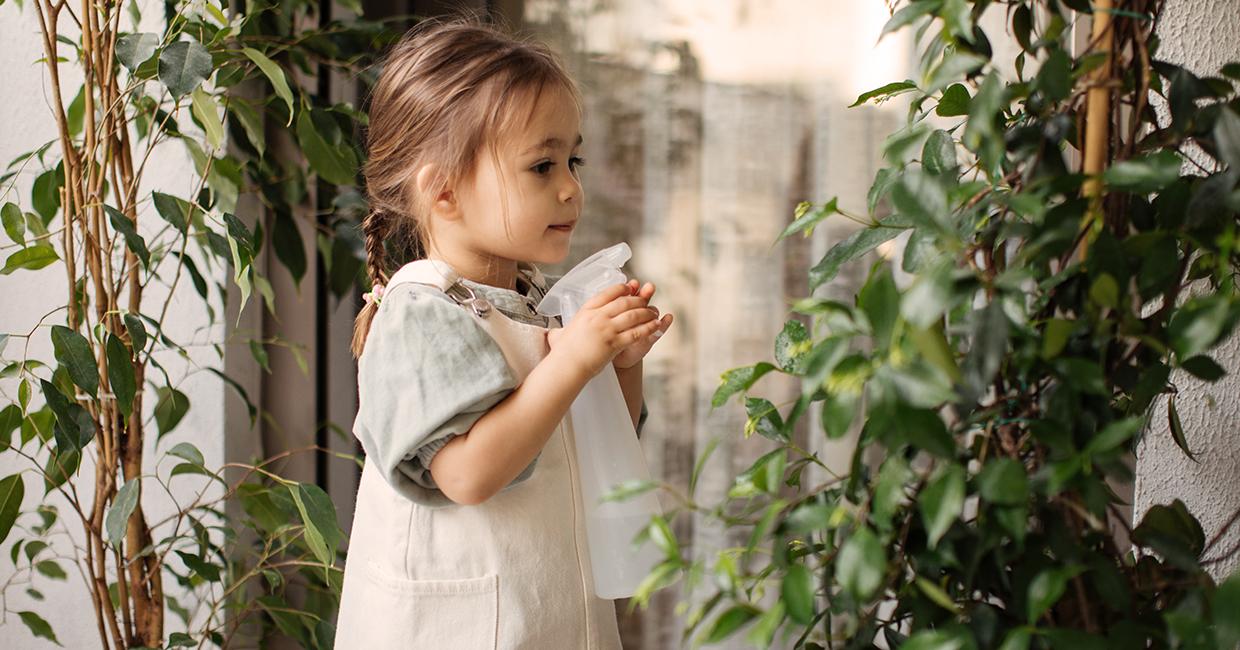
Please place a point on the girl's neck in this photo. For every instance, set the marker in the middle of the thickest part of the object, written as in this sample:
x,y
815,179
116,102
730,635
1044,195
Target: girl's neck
x,y
482,269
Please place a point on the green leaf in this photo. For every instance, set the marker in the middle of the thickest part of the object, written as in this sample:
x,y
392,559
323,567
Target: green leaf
x,y
930,295
883,93
183,65
861,564
175,211
954,102
1055,337
856,245
1004,481
76,113
936,595
1173,532
791,344
290,250
939,154
806,218
121,374
1113,435
73,352
134,49
798,594
12,490
1226,610
764,419
661,535
838,412
880,300
335,163
187,451
730,621
954,66
736,380
125,226
1055,76
38,626
207,111
275,74
122,507
171,406
75,426
1045,590
1204,368
197,564
14,222
1197,325
1227,138
45,193
922,198
137,333
953,638
942,501
32,258
1177,428
62,464
1145,174
924,428
889,490
909,13
322,533
625,490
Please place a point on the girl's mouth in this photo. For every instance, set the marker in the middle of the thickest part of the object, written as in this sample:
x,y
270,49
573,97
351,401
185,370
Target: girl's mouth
x,y
568,227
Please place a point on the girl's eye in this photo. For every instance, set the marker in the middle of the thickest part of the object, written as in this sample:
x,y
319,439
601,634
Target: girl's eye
x,y
543,168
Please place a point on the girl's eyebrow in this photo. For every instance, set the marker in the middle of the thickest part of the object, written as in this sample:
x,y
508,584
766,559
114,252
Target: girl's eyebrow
x,y
552,143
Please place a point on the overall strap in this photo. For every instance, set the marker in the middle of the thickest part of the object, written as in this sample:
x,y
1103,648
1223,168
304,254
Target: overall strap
x,y
439,274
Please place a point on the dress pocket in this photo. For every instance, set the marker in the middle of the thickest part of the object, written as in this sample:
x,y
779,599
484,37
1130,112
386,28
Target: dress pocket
x,y
387,611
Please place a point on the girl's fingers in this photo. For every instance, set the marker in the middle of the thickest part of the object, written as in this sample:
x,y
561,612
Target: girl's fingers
x,y
607,295
623,304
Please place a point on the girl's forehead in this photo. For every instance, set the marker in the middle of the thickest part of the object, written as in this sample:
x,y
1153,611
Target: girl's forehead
x,y
553,122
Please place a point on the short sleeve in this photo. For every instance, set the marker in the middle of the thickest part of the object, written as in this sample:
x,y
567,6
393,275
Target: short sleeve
x,y
428,373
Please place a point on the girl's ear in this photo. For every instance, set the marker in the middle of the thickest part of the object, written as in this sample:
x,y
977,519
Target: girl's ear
x,y
431,184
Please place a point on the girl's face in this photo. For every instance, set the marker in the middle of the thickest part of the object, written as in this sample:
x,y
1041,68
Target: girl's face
x,y
540,187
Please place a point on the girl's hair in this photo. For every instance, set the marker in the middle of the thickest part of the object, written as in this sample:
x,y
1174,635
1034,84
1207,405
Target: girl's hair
x,y
448,88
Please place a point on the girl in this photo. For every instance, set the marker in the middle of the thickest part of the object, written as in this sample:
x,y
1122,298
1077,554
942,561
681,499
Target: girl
x,y
468,531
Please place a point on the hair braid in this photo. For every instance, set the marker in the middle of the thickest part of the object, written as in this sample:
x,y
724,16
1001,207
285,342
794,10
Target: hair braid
x,y
375,229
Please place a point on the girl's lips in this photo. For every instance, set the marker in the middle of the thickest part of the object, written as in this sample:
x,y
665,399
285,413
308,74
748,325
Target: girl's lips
x,y
568,227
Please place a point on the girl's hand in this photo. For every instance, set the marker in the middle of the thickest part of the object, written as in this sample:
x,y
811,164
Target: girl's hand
x,y
608,323
635,352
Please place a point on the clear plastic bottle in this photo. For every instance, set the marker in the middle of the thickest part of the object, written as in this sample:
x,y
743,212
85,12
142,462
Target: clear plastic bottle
x,y
608,451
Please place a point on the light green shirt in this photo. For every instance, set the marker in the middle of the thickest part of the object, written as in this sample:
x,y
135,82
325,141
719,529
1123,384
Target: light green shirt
x,y
429,372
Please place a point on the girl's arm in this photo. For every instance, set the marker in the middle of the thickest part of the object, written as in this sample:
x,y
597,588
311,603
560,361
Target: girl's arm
x,y
631,385
473,467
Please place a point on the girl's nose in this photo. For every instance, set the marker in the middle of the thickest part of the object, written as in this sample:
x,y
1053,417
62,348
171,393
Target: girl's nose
x,y
571,191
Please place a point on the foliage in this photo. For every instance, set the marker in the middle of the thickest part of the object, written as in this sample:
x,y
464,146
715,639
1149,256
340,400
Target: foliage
x,y
226,85
999,394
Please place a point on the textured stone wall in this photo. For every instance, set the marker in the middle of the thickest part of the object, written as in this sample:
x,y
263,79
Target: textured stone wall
x,y
1201,35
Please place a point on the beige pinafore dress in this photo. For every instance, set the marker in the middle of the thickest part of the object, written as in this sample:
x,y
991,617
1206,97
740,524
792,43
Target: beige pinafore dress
x,y
512,573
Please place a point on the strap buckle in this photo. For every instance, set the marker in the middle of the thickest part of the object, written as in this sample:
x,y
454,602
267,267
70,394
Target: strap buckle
x,y
481,306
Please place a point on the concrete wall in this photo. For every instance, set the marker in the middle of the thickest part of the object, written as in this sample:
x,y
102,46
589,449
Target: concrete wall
x,y
25,296
1201,35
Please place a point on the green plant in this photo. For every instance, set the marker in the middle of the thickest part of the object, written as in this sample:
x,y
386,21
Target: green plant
x,y
1061,274
223,84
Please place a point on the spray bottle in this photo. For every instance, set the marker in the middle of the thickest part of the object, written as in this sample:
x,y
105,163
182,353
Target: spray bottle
x,y
608,452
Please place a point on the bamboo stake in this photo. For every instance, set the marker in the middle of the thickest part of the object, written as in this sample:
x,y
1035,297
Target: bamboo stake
x,y
1098,114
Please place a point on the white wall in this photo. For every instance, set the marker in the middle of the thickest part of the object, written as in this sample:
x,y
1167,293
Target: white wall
x,y
26,123
1201,35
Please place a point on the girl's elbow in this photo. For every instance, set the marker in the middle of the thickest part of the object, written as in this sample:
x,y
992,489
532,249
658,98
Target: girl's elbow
x,y
453,476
